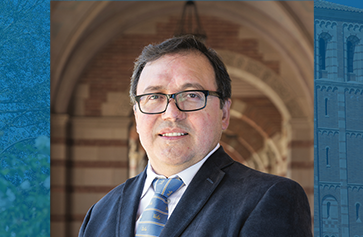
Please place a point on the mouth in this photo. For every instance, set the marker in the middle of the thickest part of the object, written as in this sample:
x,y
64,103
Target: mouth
x,y
173,134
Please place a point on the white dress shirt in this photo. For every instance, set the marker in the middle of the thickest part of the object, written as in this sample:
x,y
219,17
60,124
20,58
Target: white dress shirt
x,y
186,175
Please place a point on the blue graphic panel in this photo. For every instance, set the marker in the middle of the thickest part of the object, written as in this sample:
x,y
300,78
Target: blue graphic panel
x,y
24,118
349,3
338,175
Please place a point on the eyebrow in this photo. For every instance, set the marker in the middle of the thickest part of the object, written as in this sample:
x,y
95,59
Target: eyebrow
x,y
192,85
196,86
153,88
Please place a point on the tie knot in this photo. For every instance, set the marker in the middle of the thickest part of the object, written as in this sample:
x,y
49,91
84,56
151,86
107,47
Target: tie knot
x,y
166,187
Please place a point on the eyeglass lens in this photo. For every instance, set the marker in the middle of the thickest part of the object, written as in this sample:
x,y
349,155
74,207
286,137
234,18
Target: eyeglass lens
x,y
186,101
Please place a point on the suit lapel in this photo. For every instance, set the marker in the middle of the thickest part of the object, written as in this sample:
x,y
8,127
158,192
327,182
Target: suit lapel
x,y
197,194
130,199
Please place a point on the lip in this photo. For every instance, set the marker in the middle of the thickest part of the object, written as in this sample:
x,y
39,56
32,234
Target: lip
x,y
172,133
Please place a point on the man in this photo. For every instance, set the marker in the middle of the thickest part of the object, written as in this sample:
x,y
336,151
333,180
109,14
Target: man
x,y
181,94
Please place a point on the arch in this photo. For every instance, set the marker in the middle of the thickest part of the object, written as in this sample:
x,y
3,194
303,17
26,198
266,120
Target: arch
x,y
233,153
283,33
329,208
274,87
352,42
265,157
323,40
330,215
93,34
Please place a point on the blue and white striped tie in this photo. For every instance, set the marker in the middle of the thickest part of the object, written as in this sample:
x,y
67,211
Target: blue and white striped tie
x,y
155,215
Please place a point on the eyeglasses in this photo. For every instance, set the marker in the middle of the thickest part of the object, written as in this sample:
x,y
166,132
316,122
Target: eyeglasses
x,y
185,101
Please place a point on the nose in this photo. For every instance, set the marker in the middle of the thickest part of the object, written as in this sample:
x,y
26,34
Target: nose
x,y
172,112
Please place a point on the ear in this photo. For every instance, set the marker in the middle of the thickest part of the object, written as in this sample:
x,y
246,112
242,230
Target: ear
x,y
226,113
136,116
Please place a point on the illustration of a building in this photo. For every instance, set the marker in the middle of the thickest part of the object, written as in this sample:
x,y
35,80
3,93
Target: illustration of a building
x,y
338,120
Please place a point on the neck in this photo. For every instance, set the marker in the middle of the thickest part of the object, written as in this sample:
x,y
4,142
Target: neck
x,y
166,170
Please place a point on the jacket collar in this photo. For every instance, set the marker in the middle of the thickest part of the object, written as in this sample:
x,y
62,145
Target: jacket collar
x,y
202,186
129,205
200,189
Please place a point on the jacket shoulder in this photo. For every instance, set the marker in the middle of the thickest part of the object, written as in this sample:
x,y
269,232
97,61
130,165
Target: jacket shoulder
x,y
103,218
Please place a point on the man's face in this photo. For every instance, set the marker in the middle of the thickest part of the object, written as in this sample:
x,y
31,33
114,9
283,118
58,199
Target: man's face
x,y
175,140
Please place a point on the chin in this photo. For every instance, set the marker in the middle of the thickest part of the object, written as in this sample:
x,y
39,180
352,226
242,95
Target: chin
x,y
174,155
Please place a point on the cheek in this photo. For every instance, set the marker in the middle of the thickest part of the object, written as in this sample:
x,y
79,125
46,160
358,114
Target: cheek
x,y
147,127
145,132
144,125
213,125
206,126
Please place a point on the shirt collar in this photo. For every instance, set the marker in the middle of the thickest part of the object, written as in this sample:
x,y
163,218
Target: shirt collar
x,y
186,175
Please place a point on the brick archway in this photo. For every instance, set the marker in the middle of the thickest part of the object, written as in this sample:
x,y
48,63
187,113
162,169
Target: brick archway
x,y
93,47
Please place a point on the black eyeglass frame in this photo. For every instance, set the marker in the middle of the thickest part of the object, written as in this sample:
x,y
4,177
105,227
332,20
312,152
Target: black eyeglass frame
x,y
168,96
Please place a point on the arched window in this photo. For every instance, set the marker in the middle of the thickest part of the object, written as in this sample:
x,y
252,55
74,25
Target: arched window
x,y
352,41
322,53
328,210
327,156
330,216
350,56
357,206
326,107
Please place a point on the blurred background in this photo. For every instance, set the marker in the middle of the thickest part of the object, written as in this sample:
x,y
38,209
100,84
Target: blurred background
x,y
268,49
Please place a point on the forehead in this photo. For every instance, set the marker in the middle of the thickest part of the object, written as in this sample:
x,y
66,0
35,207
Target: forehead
x,y
176,72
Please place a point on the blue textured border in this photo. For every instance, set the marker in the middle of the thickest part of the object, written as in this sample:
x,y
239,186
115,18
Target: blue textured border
x,y
350,3
338,114
25,118
178,0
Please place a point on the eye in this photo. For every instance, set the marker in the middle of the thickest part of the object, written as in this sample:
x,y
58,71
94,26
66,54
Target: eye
x,y
191,95
153,97
194,95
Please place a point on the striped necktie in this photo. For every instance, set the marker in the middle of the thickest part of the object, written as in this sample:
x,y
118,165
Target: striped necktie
x,y
155,215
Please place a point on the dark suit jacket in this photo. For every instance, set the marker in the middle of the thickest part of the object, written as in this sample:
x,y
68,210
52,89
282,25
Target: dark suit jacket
x,y
224,199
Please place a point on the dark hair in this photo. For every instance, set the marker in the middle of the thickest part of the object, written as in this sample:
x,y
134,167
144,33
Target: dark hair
x,y
177,45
